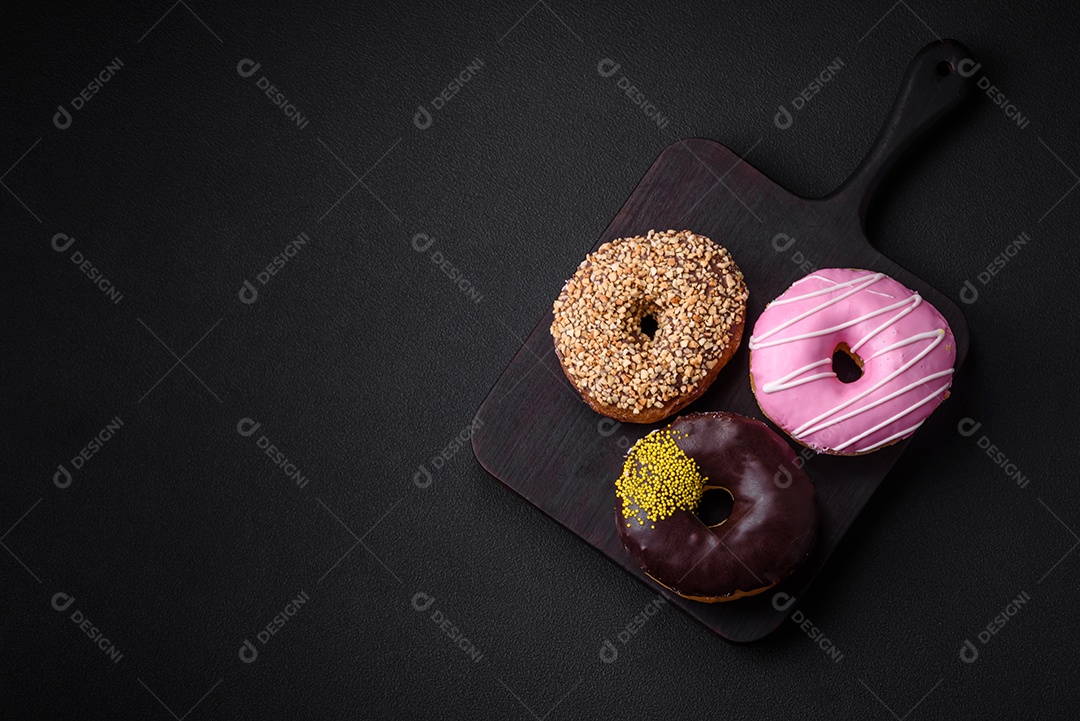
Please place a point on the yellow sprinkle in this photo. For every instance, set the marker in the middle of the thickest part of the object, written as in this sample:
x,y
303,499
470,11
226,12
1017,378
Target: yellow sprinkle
x,y
658,479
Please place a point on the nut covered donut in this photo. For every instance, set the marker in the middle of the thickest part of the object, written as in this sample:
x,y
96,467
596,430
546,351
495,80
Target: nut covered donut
x,y
902,344
773,520
646,323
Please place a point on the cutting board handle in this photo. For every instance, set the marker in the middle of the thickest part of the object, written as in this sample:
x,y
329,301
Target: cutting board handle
x,y
936,81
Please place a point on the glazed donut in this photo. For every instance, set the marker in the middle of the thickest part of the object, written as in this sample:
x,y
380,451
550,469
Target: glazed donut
x,y
773,520
903,345
687,285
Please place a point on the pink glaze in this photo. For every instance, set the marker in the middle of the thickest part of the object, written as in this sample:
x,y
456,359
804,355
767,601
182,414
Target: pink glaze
x,y
906,346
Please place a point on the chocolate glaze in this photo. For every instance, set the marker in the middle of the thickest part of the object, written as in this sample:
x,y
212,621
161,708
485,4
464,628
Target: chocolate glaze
x,y
773,521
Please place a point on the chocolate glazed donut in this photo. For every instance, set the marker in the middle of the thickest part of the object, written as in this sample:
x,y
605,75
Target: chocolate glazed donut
x,y
772,525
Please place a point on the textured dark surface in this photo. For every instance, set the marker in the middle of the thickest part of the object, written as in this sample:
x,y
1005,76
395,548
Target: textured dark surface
x,y
362,360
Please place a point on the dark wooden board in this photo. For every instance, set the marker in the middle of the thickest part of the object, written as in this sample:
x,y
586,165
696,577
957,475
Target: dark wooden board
x,y
540,439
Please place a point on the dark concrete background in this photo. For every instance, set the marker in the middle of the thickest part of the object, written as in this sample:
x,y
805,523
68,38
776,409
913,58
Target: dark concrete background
x,y
179,539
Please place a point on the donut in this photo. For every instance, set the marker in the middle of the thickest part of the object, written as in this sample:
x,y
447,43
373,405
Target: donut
x,y
773,520
646,323
902,344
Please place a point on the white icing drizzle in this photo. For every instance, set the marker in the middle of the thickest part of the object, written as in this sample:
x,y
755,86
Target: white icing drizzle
x,y
895,418
916,301
893,437
869,280
755,342
936,333
782,384
875,404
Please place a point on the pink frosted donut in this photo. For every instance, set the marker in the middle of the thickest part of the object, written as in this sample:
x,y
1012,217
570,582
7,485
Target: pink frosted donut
x,y
902,343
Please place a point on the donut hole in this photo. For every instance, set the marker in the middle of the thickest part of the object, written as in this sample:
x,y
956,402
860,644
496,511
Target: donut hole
x,y
715,506
649,325
846,364
645,320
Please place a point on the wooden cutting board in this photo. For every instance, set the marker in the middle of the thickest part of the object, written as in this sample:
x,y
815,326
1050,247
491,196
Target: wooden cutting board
x,y
540,439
